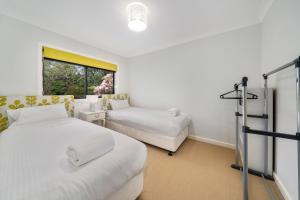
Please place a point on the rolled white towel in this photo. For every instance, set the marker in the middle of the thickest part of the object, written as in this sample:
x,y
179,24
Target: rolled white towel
x,y
90,149
174,112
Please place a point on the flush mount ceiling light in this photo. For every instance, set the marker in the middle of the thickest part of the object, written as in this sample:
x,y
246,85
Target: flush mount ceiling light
x,y
137,16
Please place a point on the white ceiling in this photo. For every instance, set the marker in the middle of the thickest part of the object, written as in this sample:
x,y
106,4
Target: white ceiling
x,y
103,23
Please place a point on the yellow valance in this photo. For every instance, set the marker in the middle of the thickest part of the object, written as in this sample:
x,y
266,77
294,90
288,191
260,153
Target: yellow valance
x,y
77,59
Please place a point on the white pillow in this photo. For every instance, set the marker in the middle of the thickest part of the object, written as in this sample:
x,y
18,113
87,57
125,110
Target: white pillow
x,y
119,104
13,115
41,113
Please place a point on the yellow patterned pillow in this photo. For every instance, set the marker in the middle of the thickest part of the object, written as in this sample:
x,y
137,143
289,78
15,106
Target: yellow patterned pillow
x,y
3,122
107,97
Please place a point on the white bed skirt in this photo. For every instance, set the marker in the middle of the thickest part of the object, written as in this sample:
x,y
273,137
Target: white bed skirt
x,y
131,190
156,139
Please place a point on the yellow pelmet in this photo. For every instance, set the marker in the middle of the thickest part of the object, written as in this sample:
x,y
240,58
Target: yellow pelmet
x,y
78,59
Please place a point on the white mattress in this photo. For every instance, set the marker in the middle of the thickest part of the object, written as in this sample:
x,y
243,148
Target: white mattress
x,y
150,120
33,164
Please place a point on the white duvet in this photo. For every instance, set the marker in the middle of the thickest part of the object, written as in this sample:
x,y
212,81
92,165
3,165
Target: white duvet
x,y
33,164
150,120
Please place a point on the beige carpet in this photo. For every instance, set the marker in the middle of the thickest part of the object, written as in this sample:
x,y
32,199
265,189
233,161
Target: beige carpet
x,y
198,171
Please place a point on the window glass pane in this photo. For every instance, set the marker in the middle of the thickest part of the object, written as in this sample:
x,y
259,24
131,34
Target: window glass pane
x,y
62,78
99,81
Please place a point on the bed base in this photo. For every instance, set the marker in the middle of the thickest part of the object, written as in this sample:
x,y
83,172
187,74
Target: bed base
x,y
171,144
131,190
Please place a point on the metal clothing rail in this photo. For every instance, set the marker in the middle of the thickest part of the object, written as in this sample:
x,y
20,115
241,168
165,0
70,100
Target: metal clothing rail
x,y
263,116
247,130
238,99
281,68
239,141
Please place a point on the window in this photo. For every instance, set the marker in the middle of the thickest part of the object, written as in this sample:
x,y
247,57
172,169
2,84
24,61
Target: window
x,y
64,78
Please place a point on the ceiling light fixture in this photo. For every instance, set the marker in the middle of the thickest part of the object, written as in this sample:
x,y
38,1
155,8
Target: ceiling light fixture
x,y
137,16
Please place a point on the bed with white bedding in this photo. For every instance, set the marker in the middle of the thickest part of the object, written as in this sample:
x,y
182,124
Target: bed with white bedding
x,y
34,165
150,120
153,126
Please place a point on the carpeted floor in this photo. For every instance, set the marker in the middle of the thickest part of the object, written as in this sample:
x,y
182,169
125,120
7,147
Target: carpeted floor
x,y
198,171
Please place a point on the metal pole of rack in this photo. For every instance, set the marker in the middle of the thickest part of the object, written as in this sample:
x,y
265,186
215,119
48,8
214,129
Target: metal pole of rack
x,y
280,68
245,140
237,126
297,65
266,119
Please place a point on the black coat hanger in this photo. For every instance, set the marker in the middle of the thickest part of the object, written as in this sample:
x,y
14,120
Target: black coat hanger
x,y
252,96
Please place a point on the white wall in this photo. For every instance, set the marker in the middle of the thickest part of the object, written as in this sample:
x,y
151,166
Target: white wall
x,y
193,75
20,57
281,44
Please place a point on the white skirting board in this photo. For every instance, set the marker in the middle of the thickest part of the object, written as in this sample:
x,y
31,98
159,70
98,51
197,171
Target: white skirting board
x,y
212,141
281,187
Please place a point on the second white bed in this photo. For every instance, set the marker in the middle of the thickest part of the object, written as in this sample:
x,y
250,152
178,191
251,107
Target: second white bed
x,y
156,127
34,166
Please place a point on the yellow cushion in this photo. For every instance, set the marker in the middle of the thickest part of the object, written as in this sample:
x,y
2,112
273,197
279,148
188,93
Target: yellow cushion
x,y
107,97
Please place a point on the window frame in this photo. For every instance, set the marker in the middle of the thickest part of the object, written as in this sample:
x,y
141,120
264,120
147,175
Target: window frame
x,y
85,72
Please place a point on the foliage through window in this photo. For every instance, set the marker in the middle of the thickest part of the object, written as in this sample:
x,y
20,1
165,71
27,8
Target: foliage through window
x,y
62,78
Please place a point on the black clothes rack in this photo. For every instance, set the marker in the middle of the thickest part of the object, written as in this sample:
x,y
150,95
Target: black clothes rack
x,y
238,97
265,133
